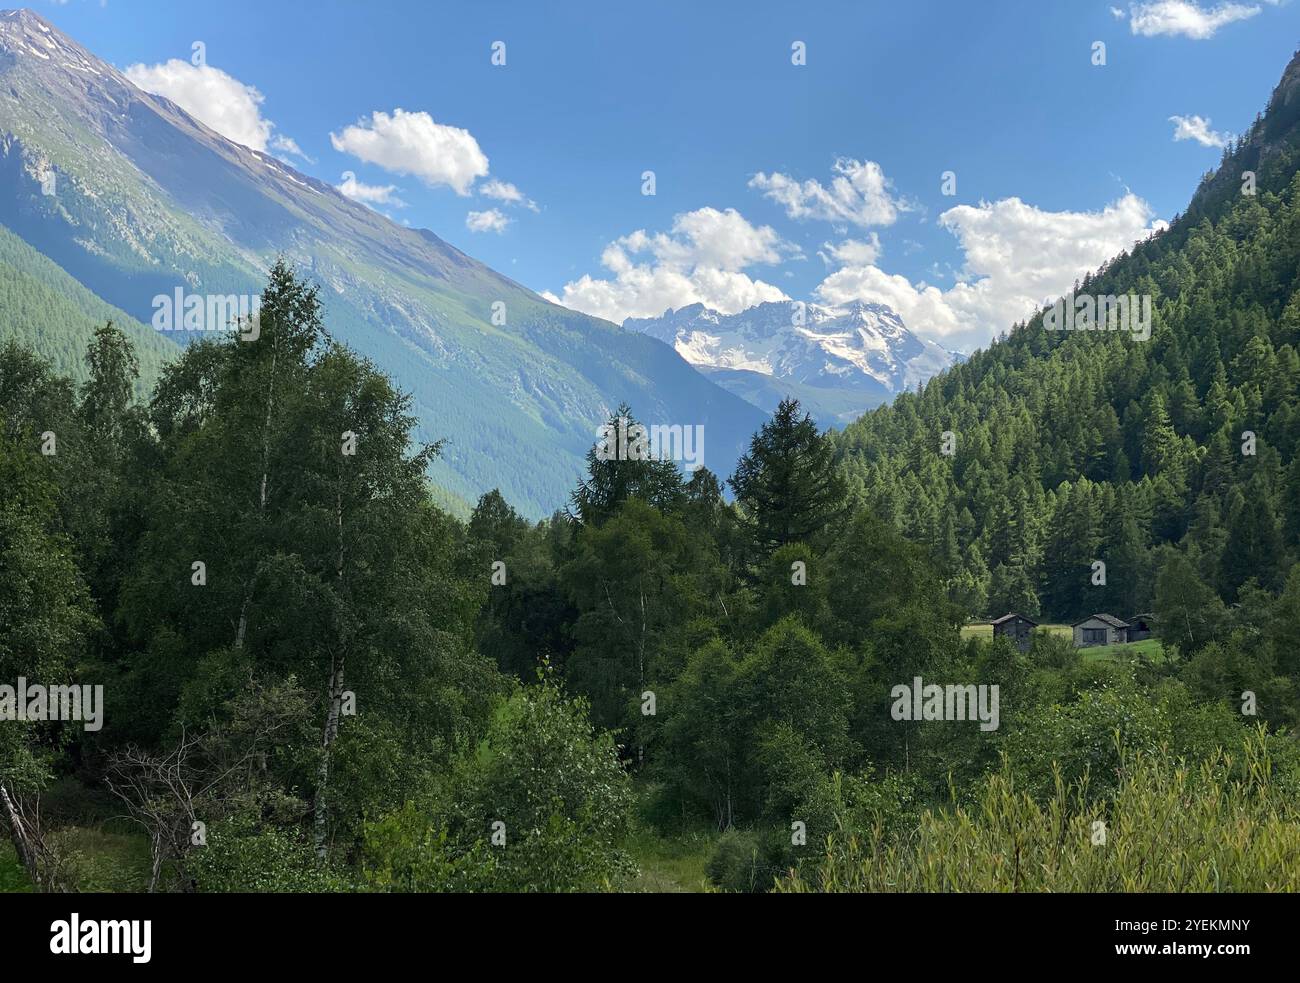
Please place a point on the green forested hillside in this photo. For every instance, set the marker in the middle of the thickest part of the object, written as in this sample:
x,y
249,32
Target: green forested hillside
x,y
653,687
45,309
1073,447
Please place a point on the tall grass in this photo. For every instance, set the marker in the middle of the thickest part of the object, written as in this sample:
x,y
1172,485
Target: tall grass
x,y
1167,827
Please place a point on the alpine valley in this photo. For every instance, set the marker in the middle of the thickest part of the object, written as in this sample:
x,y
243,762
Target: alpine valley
x,y
1030,625
111,196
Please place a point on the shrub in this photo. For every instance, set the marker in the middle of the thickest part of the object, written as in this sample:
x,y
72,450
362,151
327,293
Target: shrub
x,y
241,856
555,786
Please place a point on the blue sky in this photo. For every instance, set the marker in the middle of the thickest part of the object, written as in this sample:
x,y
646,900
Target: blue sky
x,y
1058,161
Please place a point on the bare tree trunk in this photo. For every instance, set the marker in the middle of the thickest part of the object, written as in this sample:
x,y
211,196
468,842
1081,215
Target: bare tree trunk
x,y
730,816
242,629
321,806
155,870
26,841
320,819
640,649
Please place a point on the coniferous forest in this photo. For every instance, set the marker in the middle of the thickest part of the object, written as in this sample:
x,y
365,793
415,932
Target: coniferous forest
x,y
315,675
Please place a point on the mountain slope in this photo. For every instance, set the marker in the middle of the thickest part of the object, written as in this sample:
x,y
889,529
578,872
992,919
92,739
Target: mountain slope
x,y
44,309
147,199
837,361
1079,446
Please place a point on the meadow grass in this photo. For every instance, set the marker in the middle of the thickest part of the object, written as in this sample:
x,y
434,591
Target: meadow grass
x,y
1150,647
985,630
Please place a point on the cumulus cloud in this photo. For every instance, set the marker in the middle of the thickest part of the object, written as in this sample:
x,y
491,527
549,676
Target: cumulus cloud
x,y
217,100
1186,18
859,194
1017,256
369,194
491,220
1197,128
506,192
413,144
851,252
288,145
700,260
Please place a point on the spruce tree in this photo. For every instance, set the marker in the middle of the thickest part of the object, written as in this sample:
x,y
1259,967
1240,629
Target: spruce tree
x,y
789,483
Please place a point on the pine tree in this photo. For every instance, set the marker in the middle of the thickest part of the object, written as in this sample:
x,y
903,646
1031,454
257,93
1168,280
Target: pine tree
x,y
788,482
613,476
1254,545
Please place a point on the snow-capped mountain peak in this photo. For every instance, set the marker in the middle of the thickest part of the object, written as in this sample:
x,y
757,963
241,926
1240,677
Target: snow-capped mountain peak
x,y
862,347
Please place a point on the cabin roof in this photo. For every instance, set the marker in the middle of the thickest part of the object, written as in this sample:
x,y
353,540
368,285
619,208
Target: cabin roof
x,y
1108,619
1009,617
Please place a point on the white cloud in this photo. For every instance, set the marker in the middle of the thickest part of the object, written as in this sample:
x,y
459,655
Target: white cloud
x,y
288,145
1197,128
490,220
701,260
216,99
1016,257
859,194
412,143
851,252
1186,18
369,194
507,192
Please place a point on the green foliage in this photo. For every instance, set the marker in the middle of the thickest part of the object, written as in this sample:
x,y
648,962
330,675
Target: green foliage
x,y
746,737
1078,739
746,862
636,583
13,879
45,614
786,483
555,788
242,856
1189,613
613,478
735,662
1168,827
45,310
1078,446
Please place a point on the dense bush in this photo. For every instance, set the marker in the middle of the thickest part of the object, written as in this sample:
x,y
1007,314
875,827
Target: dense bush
x,y
541,804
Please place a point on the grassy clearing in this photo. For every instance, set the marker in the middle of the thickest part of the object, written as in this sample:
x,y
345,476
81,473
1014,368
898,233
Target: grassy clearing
x,y
94,859
985,630
673,865
103,860
1150,647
